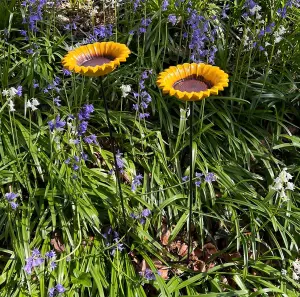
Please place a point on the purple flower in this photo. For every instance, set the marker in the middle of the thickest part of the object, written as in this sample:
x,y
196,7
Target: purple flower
x,y
34,260
199,174
198,183
210,177
67,161
75,167
66,72
136,182
120,162
103,31
82,128
145,213
134,216
261,48
37,262
165,5
148,274
36,253
53,265
185,178
144,115
142,30
84,156
14,205
11,196
60,288
77,159
57,124
85,112
35,84
135,107
142,221
146,22
224,12
51,292
57,101
30,51
172,19
269,28
282,12
19,91
23,33
50,254
91,139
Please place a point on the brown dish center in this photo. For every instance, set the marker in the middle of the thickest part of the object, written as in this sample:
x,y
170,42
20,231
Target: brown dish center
x,y
97,61
192,84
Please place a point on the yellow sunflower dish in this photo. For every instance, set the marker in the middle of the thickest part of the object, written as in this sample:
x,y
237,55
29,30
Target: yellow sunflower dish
x,y
97,59
192,82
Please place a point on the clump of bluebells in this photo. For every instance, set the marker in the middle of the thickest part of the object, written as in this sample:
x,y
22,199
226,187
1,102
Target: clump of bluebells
x,y
99,33
201,39
142,216
35,10
112,238
143,97
208,177
36,260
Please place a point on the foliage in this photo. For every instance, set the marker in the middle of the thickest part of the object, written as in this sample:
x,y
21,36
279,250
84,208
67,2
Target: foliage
x,y
66,198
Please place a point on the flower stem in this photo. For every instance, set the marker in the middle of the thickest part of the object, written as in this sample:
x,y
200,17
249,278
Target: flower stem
x,y
191,105
112,141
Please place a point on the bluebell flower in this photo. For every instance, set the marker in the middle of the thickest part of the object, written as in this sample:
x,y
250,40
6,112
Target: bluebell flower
x,y
85,112
82,128
11,196
75,167
58,124
210,177
282,12
50,254
172,19
146,212
66,72
198,183
14,205
60,288
142,221
57,101
148,274
35,84
144,115
135,107
53,265
136,182
84,156
51,292
185,178
120,162
23,33
134,216
19,91
77,159
36,253
34,260
165,5
67,161
90,139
